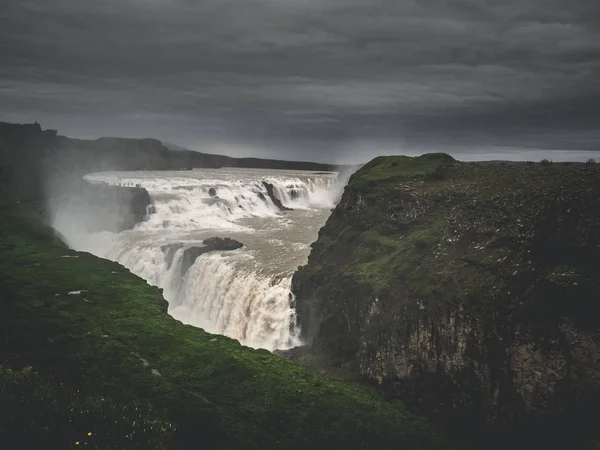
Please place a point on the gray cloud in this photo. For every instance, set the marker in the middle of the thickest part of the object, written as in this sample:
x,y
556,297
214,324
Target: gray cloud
x,y
307,78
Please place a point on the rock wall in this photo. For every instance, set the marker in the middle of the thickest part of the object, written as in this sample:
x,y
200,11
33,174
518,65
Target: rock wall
x,y
86,208
108,208
470,291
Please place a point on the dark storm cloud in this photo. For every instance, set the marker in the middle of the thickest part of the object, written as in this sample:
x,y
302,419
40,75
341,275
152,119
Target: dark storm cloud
x,y
307,75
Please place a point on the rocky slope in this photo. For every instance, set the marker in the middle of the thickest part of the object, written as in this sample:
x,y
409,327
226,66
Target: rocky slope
x,y
469,290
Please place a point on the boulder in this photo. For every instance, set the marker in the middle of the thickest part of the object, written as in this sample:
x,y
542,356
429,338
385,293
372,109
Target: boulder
x,y
210,245
217,243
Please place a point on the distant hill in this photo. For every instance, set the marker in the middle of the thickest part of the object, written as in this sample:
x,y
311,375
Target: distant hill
x,y
174,147
29,156
255,163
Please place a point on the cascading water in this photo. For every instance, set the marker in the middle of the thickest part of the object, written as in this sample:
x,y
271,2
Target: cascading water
x,y
244,293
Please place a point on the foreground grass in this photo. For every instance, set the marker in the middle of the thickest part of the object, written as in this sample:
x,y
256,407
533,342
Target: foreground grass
x,y
89,357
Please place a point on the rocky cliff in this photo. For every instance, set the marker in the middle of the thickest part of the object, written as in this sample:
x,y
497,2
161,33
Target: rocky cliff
x,y
99,207
469,290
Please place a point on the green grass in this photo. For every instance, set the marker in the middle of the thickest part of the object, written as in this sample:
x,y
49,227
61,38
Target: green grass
x,y
37,411
370,248
96,352
380,259
384,170
425,253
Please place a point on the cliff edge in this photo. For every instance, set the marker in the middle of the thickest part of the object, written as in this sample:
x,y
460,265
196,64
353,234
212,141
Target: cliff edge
x,y
471,291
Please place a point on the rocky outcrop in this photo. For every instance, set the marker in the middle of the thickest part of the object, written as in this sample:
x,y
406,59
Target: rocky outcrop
x,y
471,291
271,193
210,245
100,207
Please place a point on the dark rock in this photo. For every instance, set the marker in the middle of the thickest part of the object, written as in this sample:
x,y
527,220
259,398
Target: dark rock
x,y
271,192
217,243
476,305
210,245
101,207
212,192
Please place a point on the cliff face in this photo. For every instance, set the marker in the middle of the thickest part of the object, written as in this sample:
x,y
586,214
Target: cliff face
x,y
98,207
470,290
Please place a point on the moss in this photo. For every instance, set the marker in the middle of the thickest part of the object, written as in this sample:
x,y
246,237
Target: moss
x,y
114,341
394,219
380,259
422,255
383,170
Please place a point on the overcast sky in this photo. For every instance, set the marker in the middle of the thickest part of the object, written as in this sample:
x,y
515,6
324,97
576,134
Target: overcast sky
x,y
329,80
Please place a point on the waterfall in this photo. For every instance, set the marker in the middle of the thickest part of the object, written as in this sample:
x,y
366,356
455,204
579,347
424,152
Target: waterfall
x,y
245,293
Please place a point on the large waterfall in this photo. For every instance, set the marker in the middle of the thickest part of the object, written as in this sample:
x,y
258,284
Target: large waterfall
x,y
243,293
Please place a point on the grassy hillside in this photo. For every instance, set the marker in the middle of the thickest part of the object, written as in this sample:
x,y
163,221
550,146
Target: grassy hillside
x,y
89,357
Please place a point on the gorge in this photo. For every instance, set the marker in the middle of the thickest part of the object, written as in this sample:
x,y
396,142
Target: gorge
x,y
465,291
242,291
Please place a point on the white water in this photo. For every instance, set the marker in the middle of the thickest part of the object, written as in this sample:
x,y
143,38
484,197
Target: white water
x,y
245,293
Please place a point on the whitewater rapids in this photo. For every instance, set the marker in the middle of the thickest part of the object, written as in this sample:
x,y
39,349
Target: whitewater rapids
x,y
245,293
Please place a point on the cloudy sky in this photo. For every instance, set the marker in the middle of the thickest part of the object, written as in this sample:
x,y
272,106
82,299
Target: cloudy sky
x,y
329,80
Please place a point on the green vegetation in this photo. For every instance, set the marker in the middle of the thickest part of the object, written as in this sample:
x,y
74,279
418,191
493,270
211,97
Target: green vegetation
x,y
374,250
384,170
546,162
432,271
399,214
86,347
381,258
70,417
590,161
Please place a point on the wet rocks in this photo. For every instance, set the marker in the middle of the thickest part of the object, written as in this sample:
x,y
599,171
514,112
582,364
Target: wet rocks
x,y
271,192
210,245
217,243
